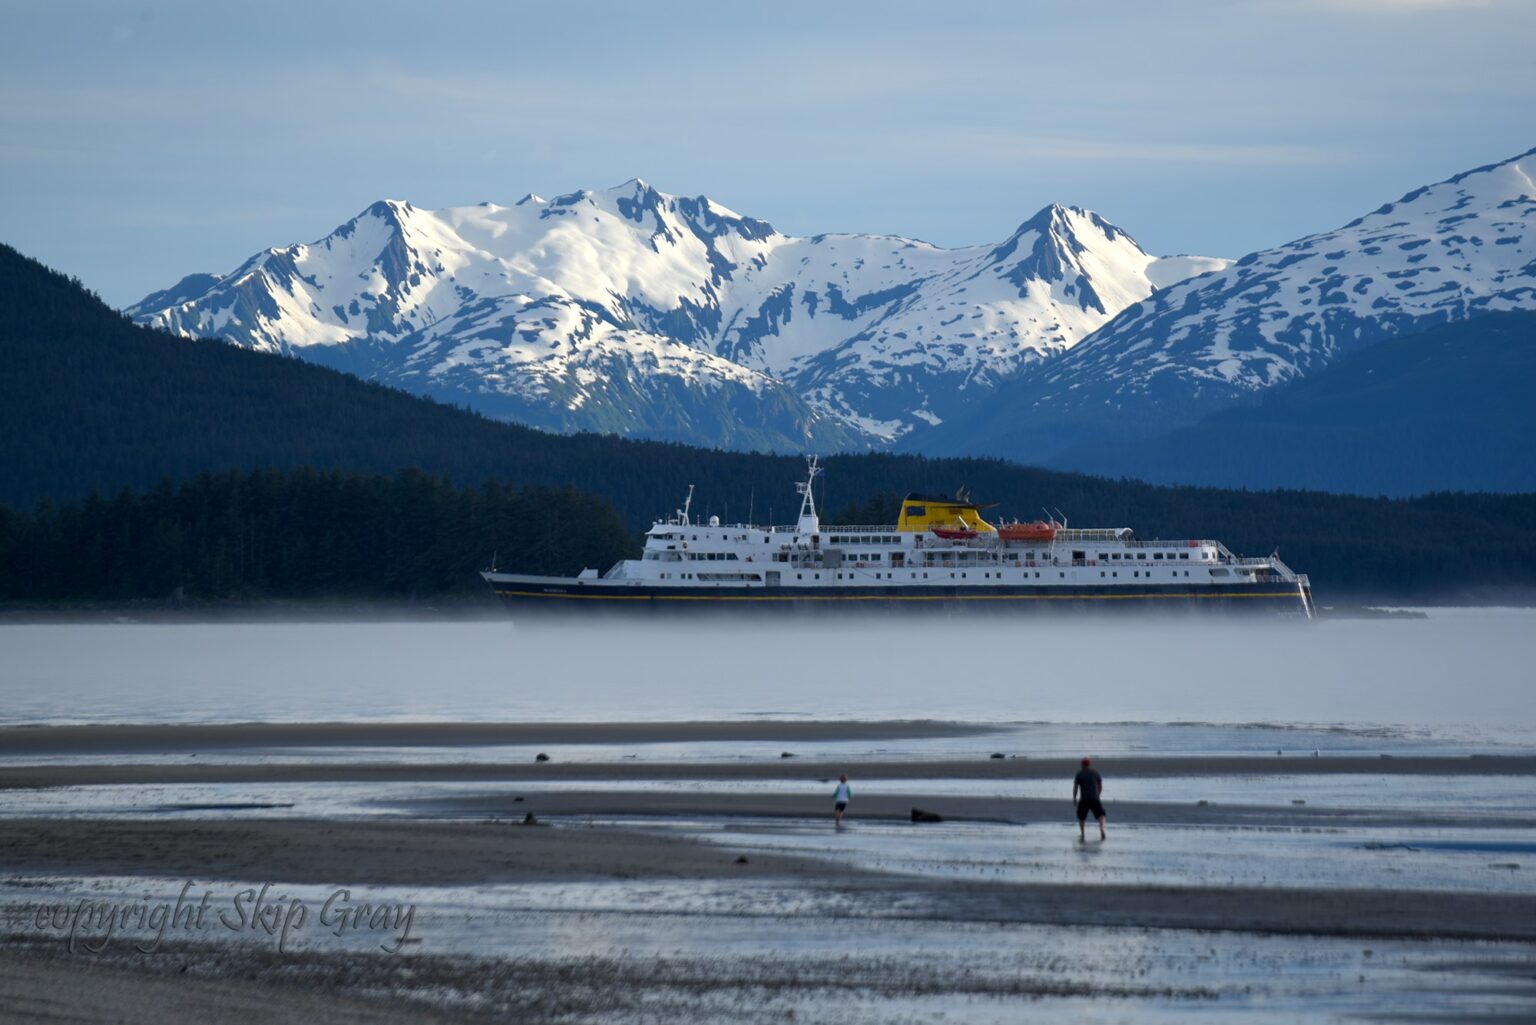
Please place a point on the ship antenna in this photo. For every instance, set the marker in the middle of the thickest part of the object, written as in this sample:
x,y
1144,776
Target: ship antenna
x,y
687,502
808,521
751,504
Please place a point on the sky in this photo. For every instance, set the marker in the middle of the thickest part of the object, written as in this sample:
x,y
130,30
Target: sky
x,y
142,142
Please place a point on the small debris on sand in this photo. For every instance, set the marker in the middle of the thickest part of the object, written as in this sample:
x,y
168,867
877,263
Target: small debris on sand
x,y
918,815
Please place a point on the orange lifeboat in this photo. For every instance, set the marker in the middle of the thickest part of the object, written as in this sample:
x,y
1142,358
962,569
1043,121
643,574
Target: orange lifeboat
x,y
1039,530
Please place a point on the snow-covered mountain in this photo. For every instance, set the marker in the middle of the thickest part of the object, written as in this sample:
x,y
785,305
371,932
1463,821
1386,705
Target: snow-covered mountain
x,y
1442,253
633,311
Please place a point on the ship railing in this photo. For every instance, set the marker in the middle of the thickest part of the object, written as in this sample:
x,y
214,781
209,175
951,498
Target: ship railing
x,y
1171,542
1273,562
1097,535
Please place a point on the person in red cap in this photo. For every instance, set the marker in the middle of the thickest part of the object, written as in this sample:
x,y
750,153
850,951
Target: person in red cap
x,y
1087,785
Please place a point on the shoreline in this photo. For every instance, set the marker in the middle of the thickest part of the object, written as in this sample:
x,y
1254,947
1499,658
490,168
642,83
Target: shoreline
x,y
657,916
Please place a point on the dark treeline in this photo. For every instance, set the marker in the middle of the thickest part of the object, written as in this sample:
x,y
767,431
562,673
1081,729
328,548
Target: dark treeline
x,y
89,402
299,534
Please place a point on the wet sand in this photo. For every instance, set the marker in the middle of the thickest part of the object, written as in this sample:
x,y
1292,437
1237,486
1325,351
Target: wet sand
x,y
416,853
473,836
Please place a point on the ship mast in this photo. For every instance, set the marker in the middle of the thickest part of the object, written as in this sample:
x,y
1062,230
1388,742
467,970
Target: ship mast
x,y
809,523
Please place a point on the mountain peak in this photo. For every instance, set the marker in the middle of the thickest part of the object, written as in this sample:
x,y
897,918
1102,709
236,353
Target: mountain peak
x,y
389,208
1050,247
1067,224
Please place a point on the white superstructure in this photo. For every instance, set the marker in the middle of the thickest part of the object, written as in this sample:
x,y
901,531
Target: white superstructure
x,y
940,549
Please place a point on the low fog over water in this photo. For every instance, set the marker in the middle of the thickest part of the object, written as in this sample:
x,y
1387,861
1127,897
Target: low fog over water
x,y
1465,667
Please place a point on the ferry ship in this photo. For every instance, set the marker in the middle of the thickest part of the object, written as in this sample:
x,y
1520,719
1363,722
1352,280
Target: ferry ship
x,y
941,552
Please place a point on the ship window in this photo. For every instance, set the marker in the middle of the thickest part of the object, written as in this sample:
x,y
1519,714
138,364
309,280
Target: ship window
x,y
917,510
818,576
1101,573
962,576
1061,574
1115,574
799,576
1103,556
1183,555
1158,555
1220,573
1141,555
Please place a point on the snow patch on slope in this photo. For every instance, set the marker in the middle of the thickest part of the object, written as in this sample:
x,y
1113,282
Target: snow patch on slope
x,y
564,299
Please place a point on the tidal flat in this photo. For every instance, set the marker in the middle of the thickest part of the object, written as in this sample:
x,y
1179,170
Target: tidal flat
x,y
1316,865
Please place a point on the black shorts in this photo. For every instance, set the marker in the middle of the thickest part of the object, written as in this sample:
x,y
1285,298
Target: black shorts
x,y
840,806
1087,805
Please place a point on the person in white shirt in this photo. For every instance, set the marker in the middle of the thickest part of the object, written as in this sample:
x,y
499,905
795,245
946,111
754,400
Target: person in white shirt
x,y
840,798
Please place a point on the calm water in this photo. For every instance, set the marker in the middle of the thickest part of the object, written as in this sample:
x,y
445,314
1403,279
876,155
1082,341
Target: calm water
x,y
1462,675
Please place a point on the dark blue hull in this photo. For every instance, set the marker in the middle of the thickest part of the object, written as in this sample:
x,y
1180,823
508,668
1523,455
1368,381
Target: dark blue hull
x,y
1265,597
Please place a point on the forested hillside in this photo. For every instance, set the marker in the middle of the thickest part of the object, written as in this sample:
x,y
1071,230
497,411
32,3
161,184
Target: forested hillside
x,y
1453,405
299,535
90,403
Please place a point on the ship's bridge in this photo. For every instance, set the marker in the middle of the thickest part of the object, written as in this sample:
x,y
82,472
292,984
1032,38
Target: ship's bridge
x,y
921,513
